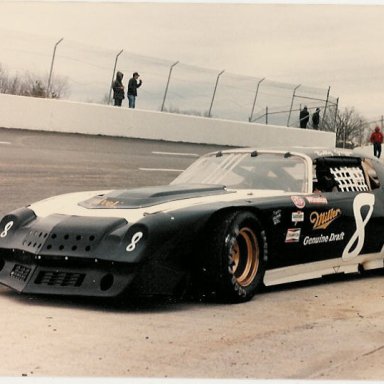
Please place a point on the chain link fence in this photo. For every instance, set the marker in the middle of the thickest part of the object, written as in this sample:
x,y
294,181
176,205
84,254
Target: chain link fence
x,y
86,73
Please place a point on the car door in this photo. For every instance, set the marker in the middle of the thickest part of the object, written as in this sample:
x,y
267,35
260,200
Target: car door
x,y
343,220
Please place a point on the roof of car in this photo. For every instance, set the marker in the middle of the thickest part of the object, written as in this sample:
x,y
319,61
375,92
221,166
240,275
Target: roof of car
x,y
312,152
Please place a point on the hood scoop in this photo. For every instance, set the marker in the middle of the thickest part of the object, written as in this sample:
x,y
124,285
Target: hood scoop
x,y
149,196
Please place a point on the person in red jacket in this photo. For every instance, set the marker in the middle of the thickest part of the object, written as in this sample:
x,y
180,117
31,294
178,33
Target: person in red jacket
x,y
376,139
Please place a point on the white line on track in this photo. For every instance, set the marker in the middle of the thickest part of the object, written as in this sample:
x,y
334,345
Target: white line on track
x,y
176,154
161,169
5,142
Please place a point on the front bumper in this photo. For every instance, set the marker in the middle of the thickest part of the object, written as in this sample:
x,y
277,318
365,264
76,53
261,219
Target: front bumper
x,y
92,256
61,254
29,273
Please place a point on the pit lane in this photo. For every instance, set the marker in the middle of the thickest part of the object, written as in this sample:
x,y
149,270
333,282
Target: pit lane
x,y
318,330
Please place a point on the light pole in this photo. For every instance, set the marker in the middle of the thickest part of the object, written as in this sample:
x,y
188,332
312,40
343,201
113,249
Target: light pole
x,y
214,92
166,88
290,110
51,70
113,76
254,100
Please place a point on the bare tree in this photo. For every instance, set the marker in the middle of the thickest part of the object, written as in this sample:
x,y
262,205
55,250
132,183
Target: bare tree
x,y
350,127
29,84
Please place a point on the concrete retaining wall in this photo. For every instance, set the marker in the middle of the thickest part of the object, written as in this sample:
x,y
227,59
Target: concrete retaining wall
x,y
65,116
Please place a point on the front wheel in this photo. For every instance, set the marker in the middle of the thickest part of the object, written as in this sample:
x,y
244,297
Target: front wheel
x,y
233,265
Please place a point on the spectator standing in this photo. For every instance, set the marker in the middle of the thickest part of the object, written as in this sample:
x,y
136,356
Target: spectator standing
x,y
376,139
118,89
316,119
133,84
304,117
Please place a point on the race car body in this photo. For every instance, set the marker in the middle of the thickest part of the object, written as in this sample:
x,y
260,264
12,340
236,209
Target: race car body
x,y
233,221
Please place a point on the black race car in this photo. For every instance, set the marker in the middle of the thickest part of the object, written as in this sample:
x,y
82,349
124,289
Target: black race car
x,y
233,221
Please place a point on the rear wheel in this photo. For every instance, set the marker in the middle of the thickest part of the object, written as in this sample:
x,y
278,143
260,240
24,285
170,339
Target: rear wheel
x,y
233,265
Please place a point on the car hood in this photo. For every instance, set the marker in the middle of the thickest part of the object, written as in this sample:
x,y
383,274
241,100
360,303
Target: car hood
x,y
133,204
150,196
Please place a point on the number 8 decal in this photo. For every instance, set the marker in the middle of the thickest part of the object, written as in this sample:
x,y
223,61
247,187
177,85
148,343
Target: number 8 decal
x,y
135,239
360,201
7,227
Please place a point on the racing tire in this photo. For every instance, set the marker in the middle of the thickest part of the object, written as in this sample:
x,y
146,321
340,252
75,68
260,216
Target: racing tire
x,y
234,265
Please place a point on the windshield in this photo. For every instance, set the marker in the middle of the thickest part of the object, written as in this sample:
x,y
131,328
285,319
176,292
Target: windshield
x,y
248,171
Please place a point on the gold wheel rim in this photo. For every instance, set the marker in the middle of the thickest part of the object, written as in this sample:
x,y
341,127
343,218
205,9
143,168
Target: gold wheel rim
x,y
245,255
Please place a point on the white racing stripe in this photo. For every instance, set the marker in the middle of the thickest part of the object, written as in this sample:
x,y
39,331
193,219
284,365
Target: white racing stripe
x,y
318,269
175,154
67,204
161,169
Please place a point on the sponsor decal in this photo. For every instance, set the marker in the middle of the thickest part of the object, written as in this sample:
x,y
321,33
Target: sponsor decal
x,y
323,219
297,217
356,242
276,217
317,199
322,239
293,235
324,152
298,201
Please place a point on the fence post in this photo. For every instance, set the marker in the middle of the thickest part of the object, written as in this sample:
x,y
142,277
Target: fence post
x,y
113,76
382,122
290,109
254,101
166,88
266,115
214,92
51,70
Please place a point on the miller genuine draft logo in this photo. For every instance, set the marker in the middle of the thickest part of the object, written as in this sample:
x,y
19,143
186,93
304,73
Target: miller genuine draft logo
x,y
323,219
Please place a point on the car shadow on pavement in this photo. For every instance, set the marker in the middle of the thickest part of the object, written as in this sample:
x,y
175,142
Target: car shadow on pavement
x,y
141,305
168,304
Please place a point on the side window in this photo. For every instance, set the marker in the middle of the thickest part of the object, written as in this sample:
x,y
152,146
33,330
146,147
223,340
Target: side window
x,y
344,174
370,174
349,179
323,180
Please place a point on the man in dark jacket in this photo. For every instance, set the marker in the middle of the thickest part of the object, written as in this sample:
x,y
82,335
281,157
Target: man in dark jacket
x,y
118,89
304,117
133,84
316,119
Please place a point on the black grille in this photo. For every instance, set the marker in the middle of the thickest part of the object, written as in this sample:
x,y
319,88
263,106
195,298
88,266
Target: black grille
x,y
20,272
61,279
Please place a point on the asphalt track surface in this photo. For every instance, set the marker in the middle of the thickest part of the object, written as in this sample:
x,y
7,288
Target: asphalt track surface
x,y
332,329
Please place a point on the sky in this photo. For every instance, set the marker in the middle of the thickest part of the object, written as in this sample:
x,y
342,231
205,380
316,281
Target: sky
x,y
334,45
